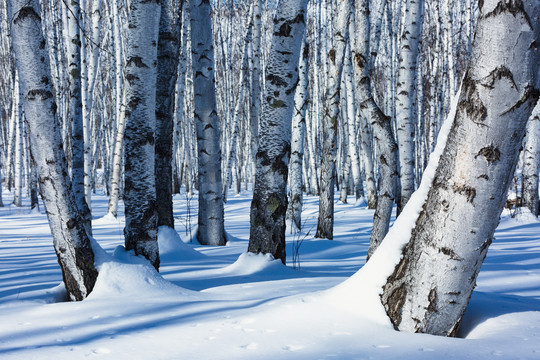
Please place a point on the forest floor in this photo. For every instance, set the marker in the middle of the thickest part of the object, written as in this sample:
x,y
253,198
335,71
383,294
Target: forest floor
x,y
220,303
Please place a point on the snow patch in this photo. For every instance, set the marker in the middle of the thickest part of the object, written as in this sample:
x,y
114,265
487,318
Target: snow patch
x,y
172,248
250,263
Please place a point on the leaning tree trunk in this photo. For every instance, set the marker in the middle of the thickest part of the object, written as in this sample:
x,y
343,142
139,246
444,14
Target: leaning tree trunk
x,y
167,70
140,87
71,241
301,102
211,230
382,129
433,282
269,204
325,224
531,165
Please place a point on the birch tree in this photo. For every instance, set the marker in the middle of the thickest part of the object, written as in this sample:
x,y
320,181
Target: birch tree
x,y
531,165
139,176
75,109
406,85
431,285
211,230
381,125
269,204
167,70
71,241
301,102
325,224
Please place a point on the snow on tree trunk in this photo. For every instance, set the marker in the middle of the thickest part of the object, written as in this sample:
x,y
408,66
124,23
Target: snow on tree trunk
x,y
75,111
211,229
269,204
406,84
301,102
531,165
167,70
71,241
140,87
325,224
382,130
431,285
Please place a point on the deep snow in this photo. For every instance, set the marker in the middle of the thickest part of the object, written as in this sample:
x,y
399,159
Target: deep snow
x,y
220,303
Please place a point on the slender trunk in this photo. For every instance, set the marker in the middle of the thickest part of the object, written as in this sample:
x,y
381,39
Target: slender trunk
x,y
211,230
301,102
531,166
406,87
75,111
382,130
167,70
336,55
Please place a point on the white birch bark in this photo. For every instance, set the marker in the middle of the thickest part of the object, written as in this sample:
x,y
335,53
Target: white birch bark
x,y
18,174
75,110
71,241
119,95
531,165
211,229
301,102
432,284
139,176
336,55
382,129
269,204
405,98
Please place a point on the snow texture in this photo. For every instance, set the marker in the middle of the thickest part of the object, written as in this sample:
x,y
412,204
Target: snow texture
x,y
218,302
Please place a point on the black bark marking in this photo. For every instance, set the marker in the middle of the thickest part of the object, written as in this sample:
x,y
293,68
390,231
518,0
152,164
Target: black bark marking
x,y
332,55
41,93
71,224
497,75
136,61
276,80
491,153
450,253
514,7
467,191
432,298
26,12
470,102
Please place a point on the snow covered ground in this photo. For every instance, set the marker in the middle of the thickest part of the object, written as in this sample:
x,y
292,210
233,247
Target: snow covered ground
x,y
220,303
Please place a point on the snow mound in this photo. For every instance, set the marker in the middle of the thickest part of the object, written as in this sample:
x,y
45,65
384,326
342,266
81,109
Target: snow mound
x,y
130,276
250,263
172,248
361,292
106,220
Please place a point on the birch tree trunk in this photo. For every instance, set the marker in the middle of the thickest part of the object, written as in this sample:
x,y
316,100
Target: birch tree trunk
x,y
71,241
325,224
301,102
406,85
269,204
167,70
382,129
75,111
211,230
531,166
432,284
119,115
139,176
